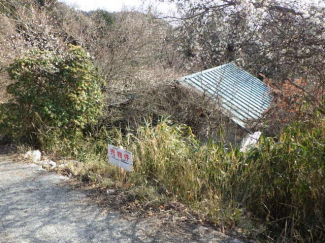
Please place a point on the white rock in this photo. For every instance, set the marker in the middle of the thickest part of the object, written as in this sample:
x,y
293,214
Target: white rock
x,y
62,166
33,155
48,164
110,191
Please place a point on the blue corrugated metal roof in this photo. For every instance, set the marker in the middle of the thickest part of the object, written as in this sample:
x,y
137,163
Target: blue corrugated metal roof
x,y
240,94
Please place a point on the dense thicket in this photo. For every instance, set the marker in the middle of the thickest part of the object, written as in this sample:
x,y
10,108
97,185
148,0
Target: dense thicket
x,y
281,182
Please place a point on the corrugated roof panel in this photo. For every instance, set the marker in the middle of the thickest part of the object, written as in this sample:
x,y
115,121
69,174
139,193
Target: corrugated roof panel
x,y
240,94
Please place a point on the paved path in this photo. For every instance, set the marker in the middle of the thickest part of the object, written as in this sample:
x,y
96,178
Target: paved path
x,y
37,206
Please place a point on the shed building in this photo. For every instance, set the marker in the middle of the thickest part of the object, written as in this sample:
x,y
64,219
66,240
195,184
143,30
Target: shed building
x,y
241,96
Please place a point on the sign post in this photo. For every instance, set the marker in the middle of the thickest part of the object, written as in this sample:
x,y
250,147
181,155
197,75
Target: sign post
x,y
120,157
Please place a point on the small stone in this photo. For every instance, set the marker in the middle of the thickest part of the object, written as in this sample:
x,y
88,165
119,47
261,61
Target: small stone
x,y
33,155
110,191
48,164
62,166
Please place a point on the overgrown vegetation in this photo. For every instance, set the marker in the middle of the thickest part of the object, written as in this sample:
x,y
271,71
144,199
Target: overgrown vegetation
x,y
56,96
280,181
274,192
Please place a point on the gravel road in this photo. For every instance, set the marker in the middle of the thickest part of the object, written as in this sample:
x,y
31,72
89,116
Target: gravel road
x,y
39,206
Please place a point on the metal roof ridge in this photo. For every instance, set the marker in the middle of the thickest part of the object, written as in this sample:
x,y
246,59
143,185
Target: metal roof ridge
x,y
206,71
241,95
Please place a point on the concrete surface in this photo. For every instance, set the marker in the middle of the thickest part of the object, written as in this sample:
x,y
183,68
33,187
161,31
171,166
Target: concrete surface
x,y
37,206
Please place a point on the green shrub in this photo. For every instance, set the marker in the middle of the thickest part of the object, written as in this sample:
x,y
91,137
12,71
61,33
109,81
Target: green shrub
x,y
51,92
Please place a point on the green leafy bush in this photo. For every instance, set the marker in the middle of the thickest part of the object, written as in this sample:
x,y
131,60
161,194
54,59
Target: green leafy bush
x,y
51,92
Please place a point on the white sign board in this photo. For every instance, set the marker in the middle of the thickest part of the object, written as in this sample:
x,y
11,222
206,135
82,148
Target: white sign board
x,y
120,157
